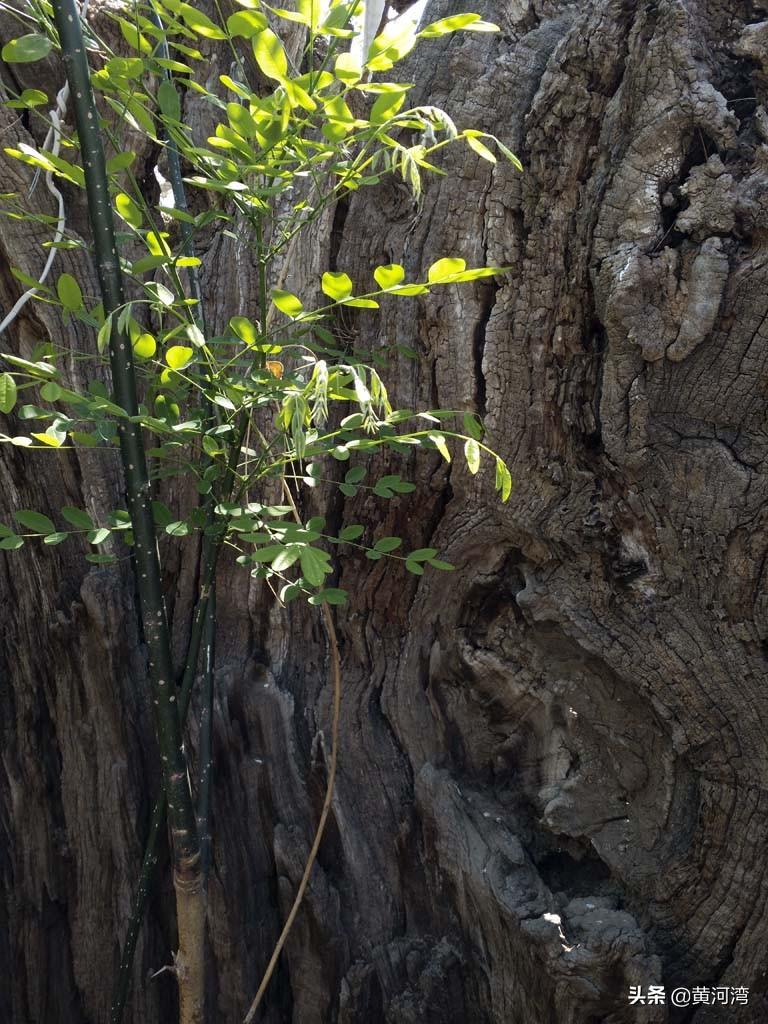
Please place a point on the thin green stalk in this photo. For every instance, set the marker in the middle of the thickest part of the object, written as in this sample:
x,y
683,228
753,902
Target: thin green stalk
x,y
184,839
205,746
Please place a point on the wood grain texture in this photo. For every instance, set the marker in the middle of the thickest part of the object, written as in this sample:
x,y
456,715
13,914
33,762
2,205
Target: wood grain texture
x,y
552,777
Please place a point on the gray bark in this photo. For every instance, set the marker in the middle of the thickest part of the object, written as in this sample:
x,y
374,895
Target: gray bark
x,y
552,777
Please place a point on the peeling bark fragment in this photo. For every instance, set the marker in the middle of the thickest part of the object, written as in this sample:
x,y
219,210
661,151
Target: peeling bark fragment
x,y
706,284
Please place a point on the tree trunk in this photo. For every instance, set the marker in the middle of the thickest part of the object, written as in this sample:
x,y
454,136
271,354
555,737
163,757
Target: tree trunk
x,y
552,775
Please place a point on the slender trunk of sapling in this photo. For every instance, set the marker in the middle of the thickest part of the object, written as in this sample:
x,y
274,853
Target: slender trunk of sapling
x,y
181,813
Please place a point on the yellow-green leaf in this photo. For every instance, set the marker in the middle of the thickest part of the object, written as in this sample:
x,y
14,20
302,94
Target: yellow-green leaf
x,y
8,392
200,24
480,148
244,329
287,303
443,270
27,48
128,210
348,68
472,455
469,22
144,347
179,356
270,55
337,286
69,293
246,24
389,276
50,439
439,442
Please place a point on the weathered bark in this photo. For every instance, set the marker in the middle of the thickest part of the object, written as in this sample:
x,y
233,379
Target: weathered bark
x,y
571,725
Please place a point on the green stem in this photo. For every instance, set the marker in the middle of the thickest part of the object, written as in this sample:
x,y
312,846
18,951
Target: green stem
x,y
183,826
206,740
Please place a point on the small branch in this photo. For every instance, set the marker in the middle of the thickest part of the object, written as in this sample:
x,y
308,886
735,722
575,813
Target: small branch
x,y
336,678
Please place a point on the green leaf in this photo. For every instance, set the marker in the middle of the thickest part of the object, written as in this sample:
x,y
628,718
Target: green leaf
x,y
387,544
134,38
244,329
76,517
503,480
51,391
101,559
270,55
422,554
55,538
105,332
386,106
439,442
161,514
287,303
315,564
179,356
8,393
480,148
199,23
168,100
11,543
361,303
178,529
389,276
246,24
120,162
348,68
69,293
333,595
53,440
415,567
437,564
287,557
509,155
472,455
410,289
160,293
99,535
443,270
35,521
355,475
144,347
128,210
269,553
396,40
473,426
382,490
337,286
26,49
470,22
352,532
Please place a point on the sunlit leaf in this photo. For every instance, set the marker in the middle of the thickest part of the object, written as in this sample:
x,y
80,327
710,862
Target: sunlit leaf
x,y
336,285
287,303
26,49
389,276
8,393
270,55
179,356
443,270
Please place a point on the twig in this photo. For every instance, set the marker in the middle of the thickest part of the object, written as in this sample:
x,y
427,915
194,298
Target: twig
x,y
336,677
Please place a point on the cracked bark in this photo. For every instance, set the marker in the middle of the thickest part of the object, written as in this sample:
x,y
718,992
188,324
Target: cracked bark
x,y
571,725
